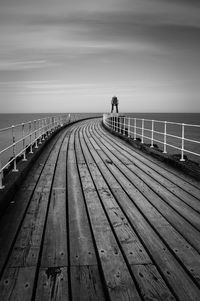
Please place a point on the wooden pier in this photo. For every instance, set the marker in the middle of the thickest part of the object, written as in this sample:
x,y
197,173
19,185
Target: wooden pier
x,y
96,219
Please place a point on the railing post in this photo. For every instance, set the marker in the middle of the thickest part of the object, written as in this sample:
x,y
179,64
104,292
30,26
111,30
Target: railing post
x,y
30,135
142,131
152,132
124,126
182,142
35,129
1,176
135,123
43,129
129,127
40,130
46,127
165,138
14,156
117,124
24,148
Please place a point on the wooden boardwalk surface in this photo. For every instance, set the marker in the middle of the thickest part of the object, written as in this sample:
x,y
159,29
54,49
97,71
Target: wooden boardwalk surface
x,y
97,220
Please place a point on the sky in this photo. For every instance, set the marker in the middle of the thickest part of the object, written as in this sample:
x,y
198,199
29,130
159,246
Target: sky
x,y
74,55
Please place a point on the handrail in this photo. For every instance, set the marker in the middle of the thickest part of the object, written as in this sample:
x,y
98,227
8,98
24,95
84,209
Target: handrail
x,y
129,126
26,136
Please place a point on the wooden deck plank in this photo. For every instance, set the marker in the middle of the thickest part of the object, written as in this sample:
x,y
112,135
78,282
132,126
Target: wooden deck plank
x,y
191,185
54,253
165,263
155,186
188,255
183,191
82,251
53,284
17,284
10,221
95,221
151,284
131,245
86,283
27,245
118,279
26,248
192,235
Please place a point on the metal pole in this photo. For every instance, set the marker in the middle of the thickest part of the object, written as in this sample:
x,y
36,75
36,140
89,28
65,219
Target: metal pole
x,y
14,156
124,126
24,148
35,129
165,138
142,131
30,134
42,129
182,142
152,132
1,176
129,127
135,128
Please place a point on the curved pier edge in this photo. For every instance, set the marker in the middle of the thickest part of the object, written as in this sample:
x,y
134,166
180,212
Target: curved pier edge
x,y
188,167
13,180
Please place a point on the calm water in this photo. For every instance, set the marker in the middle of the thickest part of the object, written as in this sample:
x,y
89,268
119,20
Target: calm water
x,y
187,118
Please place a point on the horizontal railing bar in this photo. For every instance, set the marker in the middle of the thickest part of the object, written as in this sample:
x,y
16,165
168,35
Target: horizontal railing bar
x,y
188,151
161,121
191,140
161,133
32,121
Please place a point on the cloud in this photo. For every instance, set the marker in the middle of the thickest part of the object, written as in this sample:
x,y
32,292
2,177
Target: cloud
x,y
20,65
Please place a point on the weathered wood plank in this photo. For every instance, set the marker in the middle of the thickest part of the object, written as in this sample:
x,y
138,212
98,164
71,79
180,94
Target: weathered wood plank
x,y
86,284
151,284
178,222
52,284
170,268
26,248
118,280
54,252
184,191
155,187
82,250
10,221
188,255
55,242
190,184
17,284
131,245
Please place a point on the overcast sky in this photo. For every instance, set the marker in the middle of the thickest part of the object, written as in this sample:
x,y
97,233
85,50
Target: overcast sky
x,y
74,55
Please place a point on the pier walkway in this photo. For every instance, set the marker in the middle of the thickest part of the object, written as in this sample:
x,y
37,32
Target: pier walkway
x,y
96,219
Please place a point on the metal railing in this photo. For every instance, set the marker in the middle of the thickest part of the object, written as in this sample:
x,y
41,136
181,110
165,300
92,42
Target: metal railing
x,y
169,135
25,137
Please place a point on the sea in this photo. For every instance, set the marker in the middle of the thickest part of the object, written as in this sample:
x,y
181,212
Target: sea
x,y
191,132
